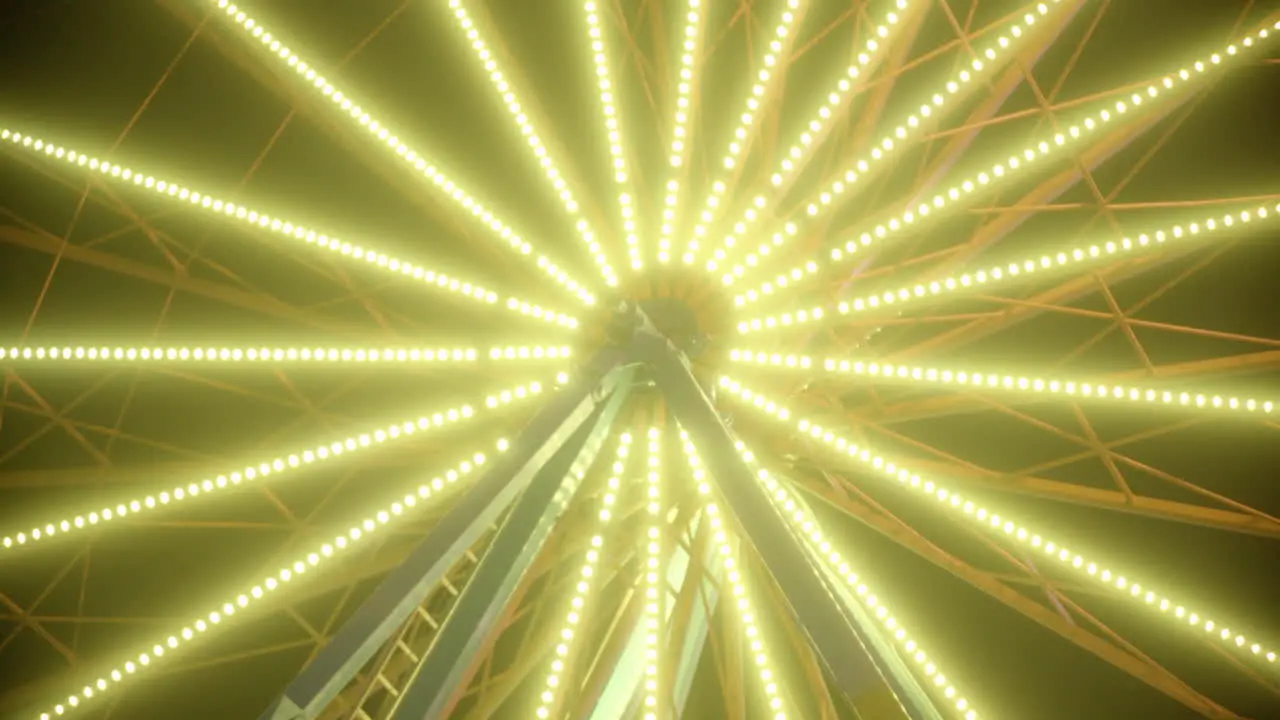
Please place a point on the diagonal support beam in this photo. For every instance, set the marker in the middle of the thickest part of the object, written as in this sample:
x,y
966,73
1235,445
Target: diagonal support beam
x,y
260,303
1145,671
516,546
836,636
406,587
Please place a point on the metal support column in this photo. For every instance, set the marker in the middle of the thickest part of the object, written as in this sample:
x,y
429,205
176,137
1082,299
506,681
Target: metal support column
x,y
834,632
517,544
406,587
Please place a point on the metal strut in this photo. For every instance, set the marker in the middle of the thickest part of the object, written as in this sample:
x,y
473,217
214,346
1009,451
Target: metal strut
x,y
375,695
516,546
544,469
835,632
405,588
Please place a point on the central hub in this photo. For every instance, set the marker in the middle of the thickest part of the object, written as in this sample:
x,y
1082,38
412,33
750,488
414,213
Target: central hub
x,y
678,323
685,305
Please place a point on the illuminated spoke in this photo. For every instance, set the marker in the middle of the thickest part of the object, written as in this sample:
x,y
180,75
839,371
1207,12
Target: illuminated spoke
x,y
391,514
530,352
573,619
1048,147
609,95
1002,527
695,21
298,355
395,144
504,87
654,584
939,101
791,508
779,44
267,468
1028,385
297,232
798,155
746,615
1083,256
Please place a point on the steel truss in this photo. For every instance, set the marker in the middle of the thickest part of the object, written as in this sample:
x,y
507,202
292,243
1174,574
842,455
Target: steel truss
x,y
418,671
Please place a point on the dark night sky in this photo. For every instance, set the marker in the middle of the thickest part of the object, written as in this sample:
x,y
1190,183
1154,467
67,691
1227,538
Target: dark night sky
x,y
78,70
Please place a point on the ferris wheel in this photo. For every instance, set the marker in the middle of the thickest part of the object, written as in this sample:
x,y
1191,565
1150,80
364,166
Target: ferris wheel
x,y
781,358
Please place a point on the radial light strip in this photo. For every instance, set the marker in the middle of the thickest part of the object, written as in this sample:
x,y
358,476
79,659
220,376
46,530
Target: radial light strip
x,y
768,679
1023,384
796,156
303,234
421,164
249,473
530,352
1002,527
1081,256
695,21
504,87
201,353
826,198
573,619
807,527
779,44
609,94
1049,146
389,515
303,355
654,590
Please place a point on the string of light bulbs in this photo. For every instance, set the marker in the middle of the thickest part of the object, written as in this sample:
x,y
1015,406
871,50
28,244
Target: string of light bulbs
x,y
1024,384
577,603
1046,147
1001,526
942,99
283,463
390,514
1080,256
695,21
503,85
608,93
780,43
807,527
354,252
728,559
797,156
654,583
363,119
322,355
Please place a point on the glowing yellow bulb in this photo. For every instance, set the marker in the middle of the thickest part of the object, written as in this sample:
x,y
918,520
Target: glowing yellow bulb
x,y
204,622
552,174
1151,239
1009,530
783,37
741,603
292,231
613,129
1003,381
395,145
579,598
265,469
966,187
